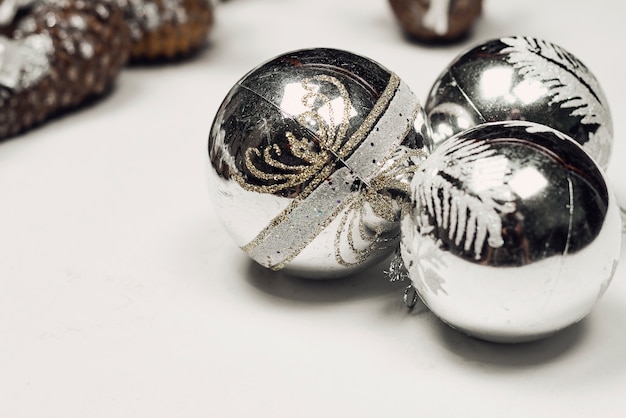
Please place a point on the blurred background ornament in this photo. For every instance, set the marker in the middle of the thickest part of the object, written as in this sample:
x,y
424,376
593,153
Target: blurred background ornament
x,y
58,54
522,78
167,29
513,233
310,155
436,20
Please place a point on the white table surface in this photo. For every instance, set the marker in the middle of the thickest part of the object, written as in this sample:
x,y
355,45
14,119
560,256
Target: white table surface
x,y
121,295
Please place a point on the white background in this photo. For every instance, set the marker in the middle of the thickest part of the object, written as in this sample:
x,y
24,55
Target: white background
x,y
121,295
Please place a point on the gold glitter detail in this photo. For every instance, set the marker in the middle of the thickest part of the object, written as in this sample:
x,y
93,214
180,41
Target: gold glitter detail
x,y
317,152
377,195
333,149
379,108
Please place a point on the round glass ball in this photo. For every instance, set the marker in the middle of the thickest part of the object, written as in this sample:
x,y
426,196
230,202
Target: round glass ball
x,y
522,78
512,233
310,154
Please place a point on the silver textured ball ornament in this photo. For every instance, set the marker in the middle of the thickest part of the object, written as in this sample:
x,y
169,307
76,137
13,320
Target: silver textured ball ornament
x,y
512,233
522,78
310,155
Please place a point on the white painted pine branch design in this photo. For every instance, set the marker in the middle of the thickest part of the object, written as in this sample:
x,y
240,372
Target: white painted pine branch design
x,y
535,60
462,186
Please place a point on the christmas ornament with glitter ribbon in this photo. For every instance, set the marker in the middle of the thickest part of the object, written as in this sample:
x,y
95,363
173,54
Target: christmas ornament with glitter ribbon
x,y
512,232
310,155
522,78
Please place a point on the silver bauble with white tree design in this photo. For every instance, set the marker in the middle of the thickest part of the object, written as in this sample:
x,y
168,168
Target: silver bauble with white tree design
x,y
522,78
512,233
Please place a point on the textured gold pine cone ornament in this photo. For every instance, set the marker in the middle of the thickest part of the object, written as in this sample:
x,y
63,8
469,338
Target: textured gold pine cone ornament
x,y
166,29
60,54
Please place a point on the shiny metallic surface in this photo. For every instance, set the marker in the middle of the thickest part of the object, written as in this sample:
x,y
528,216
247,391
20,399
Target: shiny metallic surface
x,y
513,233
310,157
522,78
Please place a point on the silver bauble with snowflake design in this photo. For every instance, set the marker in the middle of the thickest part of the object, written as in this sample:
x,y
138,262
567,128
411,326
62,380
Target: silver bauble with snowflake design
x,y
311,154
522,78
512,233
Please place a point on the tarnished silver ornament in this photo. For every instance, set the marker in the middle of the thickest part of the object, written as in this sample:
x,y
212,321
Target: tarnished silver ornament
x,y
512,234
310,156
522,78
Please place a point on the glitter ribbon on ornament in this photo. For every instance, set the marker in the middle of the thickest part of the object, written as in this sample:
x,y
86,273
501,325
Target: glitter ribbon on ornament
x,y
329,193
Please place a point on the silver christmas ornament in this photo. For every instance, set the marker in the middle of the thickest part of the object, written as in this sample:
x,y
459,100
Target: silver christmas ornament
x,y
310,155
513,233
522,78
